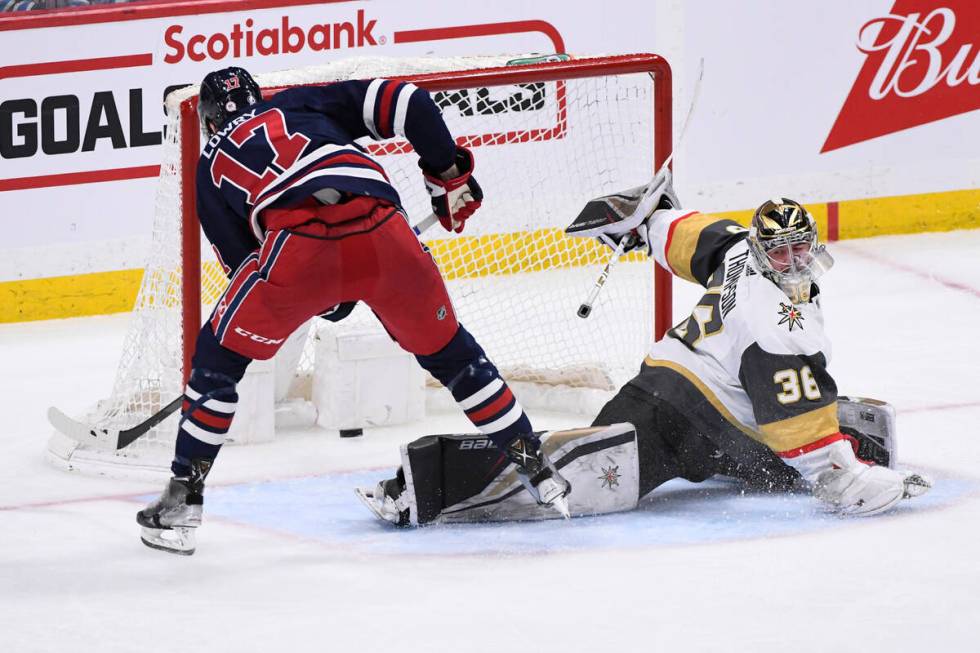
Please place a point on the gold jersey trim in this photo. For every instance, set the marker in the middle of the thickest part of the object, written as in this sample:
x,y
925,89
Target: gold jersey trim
x,y
795,432
683,243
708,394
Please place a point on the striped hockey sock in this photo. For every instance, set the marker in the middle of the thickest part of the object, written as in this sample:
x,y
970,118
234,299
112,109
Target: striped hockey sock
x,y
463,367
489,404
209,406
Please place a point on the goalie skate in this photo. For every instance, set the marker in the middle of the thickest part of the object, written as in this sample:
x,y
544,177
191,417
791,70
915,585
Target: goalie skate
x,y
386,501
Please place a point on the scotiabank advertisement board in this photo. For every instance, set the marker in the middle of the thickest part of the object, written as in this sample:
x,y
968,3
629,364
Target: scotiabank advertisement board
x,y
836,102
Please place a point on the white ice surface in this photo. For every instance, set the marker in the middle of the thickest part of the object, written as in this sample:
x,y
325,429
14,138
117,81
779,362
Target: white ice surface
x,y
288,561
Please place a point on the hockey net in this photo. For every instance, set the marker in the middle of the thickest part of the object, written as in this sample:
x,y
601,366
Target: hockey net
x,y
547,136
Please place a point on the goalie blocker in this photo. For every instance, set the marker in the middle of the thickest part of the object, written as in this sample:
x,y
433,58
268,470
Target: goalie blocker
x,y
465,478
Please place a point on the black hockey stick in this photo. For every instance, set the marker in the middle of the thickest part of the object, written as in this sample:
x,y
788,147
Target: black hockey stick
x,y
597,210
115,439
108,439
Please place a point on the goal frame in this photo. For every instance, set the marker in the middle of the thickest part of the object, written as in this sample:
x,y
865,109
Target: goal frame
x,y
662,112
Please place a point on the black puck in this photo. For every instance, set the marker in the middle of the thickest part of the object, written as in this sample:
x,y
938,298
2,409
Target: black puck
x,y
351,433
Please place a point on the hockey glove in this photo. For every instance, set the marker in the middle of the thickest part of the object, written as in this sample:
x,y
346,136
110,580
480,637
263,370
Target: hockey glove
x,y
851,486
454,192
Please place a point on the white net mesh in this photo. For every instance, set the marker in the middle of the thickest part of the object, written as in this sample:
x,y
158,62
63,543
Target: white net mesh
x,y
542,149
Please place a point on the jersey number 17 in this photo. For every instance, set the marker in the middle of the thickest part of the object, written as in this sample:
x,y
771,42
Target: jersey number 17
x,y
285,148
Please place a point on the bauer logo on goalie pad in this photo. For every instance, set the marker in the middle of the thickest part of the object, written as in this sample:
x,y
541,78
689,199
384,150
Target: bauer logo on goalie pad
x,y
482,443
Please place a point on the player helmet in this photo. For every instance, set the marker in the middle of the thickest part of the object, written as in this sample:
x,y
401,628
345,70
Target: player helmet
x,y
783,242
223,94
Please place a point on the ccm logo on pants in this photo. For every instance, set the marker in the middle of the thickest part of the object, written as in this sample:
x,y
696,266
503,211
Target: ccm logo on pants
x,y
257,338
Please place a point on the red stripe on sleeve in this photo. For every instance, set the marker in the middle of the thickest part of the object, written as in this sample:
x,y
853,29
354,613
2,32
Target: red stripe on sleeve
x,y
813,446
386,113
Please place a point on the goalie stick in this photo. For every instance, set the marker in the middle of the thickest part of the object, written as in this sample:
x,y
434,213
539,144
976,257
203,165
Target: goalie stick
x,y
597,208
585,309
115,439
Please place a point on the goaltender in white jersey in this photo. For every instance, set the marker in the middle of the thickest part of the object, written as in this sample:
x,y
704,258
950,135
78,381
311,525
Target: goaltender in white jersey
x,y
759,357
739,388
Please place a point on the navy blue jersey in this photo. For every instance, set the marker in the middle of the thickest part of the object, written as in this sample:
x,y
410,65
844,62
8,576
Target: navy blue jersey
x,y
281,151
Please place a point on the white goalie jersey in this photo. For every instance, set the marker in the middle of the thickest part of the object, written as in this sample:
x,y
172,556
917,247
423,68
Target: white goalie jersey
x,y
758,359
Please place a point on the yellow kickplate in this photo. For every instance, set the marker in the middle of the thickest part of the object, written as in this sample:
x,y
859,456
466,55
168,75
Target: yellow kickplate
x,y
98,293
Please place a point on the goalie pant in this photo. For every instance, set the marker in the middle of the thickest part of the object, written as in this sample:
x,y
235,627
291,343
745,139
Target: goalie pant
x,y
465,478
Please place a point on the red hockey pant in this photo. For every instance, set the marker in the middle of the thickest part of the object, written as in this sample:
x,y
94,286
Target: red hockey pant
x,y
302,271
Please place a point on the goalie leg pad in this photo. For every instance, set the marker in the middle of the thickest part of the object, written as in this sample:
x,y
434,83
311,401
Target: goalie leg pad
x,y
467,478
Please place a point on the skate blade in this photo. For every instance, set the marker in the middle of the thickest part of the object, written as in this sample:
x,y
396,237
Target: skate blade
x,y
179,540
561,505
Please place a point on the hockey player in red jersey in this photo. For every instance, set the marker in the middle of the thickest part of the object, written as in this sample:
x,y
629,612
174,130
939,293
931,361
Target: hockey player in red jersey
x,y
739,388
306,223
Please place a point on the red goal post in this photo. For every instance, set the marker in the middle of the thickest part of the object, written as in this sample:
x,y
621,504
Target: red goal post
x,y
551,71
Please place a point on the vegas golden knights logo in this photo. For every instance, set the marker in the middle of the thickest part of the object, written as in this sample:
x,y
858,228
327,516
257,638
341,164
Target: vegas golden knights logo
x,y
791,316
610,476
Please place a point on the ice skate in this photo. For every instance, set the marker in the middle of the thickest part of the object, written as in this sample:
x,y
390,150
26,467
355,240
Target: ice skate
x,y
538,475
386,500
170,522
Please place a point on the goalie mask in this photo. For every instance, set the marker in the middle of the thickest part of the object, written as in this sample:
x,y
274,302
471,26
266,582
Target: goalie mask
x,y
224,93
783,241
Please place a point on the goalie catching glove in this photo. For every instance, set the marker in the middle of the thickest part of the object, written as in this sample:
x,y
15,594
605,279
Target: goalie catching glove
x,y
454,192
851,486
626,214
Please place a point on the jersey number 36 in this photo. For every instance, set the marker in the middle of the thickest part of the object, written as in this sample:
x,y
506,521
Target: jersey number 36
x,y
796,384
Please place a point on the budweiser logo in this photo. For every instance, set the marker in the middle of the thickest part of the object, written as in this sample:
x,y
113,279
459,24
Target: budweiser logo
x,y
922,65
